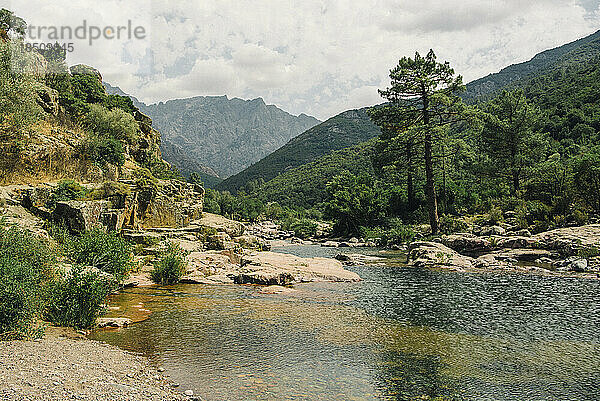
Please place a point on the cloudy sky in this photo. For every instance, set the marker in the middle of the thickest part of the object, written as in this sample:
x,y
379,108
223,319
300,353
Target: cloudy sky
x,y
305,56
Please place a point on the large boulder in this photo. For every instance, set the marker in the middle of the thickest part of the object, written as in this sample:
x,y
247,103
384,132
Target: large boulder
x,y
570,240
221,224
522,255
172,204
292,268
464,242
203,265
432,255
79,216
514,242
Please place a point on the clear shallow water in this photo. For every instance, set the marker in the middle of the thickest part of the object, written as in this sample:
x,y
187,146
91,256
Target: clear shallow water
x,y
401,334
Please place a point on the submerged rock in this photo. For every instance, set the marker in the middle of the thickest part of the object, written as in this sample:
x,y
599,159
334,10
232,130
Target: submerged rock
x,y
113,322
276,289
358,259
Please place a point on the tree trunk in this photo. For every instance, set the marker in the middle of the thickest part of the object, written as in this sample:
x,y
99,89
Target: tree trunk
x,y
430,183
410,189
516,182
430,186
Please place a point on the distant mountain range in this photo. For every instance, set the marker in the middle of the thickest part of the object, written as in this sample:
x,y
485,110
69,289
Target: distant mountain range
x,y
219,134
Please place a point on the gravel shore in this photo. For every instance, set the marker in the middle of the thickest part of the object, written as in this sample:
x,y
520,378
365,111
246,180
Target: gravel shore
x,y
66,366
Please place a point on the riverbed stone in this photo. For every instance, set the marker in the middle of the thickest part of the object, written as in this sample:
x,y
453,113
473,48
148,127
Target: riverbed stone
x,y
113,322
432,254
466,242
570,240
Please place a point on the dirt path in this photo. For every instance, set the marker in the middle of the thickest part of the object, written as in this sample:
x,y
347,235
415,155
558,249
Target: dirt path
x,y
65,366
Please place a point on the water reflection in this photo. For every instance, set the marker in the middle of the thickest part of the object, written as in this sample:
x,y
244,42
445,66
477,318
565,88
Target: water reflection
x,y
402,334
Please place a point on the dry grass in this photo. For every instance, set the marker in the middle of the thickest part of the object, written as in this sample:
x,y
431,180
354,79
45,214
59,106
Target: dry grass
x,y
47,153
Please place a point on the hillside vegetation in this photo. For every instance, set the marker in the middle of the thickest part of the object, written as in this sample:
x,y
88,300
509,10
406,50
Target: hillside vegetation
x,y
532,150
344,130
571,54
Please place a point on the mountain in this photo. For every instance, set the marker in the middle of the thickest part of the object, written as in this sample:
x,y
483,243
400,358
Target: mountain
x,y
220,134
571,54
187,166
344,130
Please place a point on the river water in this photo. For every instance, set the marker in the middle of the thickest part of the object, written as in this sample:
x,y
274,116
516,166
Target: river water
x,y
401,334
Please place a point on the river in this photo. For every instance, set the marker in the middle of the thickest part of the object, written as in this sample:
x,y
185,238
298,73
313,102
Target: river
x,y
401,334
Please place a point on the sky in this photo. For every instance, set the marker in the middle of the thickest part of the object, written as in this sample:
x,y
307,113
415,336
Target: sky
x,y
314,57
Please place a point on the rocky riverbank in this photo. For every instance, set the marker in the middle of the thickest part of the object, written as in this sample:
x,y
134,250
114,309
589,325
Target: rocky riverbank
x,y
67,366
571,250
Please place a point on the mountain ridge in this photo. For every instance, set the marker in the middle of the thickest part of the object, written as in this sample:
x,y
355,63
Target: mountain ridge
x,y
221,133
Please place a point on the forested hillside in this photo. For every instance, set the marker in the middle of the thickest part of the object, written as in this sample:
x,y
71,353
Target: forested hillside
x,y
304,186
344,130
571,54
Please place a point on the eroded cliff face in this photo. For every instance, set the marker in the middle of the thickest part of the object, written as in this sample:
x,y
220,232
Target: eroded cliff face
x,y
170,204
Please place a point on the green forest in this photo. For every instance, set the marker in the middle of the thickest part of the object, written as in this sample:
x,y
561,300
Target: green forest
x,y
531,149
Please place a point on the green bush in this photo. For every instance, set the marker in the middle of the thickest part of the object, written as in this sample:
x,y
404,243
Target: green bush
x,y
494,216
65,191
303,228
170,267
394,233
18,92
449,224
109,189
115,123
104,151
105,251
76,298
25,268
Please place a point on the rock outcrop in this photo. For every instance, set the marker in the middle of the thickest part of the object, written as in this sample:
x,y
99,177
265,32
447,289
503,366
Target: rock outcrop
x,y
432,255
221,224
263,268
569,241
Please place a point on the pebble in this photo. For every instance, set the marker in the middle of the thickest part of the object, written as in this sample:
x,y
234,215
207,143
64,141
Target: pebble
x,y
161,369
189,393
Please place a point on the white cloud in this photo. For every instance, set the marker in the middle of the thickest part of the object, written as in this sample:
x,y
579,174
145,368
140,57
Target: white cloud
x,y
317,57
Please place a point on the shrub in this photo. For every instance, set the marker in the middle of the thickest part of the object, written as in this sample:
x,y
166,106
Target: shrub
x,y
18,107
115,123
19,299
303,228
25,267
395,233
449,224
494,216
65,191
109,189
170,267
76,298
104,151
105,251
